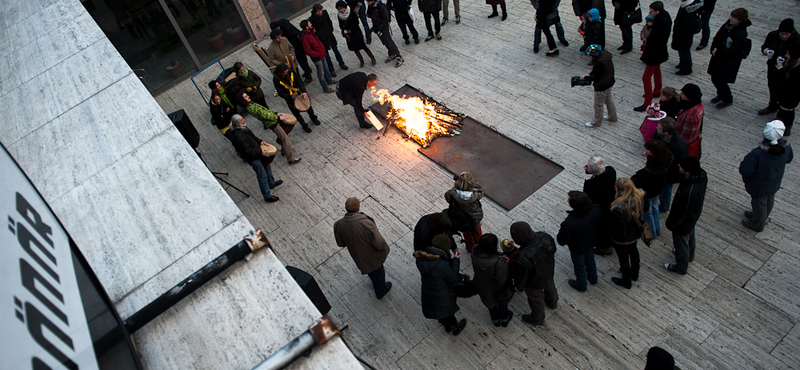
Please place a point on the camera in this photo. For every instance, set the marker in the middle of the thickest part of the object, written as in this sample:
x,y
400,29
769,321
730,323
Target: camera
x,y
576,81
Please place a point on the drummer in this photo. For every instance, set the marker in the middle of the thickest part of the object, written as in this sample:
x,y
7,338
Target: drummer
x,y
292,89
270,120
257,154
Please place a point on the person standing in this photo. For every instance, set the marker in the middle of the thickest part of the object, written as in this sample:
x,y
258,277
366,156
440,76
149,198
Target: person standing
x,y
321,22
428,227
445,6
381,20
360,10
537,33
401,8
280,50
430,9
683,34
727,51
655,52
652,179
546,16
492,280
600,189
625,231
595,31
705,18
762,172
788,93
439,274
359,233
249,82
579,232
465,211
775,46
291,33
290,87
534,269
316,50
253,151
602,77
351,91
270,120
690,119
348,23
686,210
665,131
621,9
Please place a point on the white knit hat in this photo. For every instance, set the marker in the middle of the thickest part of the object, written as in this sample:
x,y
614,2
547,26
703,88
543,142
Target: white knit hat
x,y
774,131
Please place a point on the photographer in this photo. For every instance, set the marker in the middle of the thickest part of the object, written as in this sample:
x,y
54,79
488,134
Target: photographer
x,y
602,76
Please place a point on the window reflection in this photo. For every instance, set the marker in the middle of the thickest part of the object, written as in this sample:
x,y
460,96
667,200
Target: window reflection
x,y
212,27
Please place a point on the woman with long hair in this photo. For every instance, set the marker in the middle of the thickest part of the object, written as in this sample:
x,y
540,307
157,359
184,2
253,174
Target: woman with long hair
x,y
465,210
492,279
348,23
652,179
624,229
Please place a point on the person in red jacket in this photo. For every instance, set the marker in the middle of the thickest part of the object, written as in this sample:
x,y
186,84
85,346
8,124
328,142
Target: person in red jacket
x,y
317,52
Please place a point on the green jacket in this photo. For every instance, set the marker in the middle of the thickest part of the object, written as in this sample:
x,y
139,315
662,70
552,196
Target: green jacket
x,y
266,116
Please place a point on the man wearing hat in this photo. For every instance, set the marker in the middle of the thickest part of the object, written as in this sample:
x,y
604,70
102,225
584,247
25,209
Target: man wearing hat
x,y
255,152
686,209
775,46
534,266
602,76
762,171
360,235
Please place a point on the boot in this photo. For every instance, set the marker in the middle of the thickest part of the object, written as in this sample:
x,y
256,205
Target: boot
x,y
505,14
305,127
360,59
494,12
369,53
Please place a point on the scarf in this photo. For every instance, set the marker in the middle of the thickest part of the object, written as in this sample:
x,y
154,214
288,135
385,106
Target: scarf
x,y
290,86
244,74
345,15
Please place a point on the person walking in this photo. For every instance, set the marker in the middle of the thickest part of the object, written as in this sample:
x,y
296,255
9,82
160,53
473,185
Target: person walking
x,y
537,33
602,77
622,8
534,266
464,210
359,233
762,172
775,46
726,56
401,9
579,231
652,179
686,210
492,279
626,209
254,151
323,25
381,19
430,10
348,23
655,52
690,119
290,87
316,51
683,34
439,273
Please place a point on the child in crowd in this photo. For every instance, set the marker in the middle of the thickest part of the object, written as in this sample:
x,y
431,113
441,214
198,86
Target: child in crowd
x,y
645,32
669,101
650,123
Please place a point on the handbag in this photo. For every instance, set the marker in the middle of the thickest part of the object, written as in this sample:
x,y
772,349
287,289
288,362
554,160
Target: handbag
x,y
647,233
553,18
465,287
632,17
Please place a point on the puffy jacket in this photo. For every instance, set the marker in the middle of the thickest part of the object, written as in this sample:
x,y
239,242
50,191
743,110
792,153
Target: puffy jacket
x,y
687,204
580,233
312,45
535,262
602,71
439,275
468,200
655,50
491,276
595,34
763,172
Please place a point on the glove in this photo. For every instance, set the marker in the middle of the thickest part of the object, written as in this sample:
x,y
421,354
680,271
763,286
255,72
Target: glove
x,y
249,89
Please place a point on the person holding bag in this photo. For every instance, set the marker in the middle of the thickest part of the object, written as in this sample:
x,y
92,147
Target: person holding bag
x,y
546,16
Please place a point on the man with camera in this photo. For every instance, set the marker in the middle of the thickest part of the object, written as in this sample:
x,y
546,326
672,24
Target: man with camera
x,y
602,77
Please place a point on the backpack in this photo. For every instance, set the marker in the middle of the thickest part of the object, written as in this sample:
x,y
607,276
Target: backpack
x,y
746,47
697,25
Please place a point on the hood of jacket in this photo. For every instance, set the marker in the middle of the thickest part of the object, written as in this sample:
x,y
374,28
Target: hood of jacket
x,y
765,147
482,261
463,196
428,255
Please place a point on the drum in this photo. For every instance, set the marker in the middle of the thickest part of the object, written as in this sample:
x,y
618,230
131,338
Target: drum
x,y
302,103
288,123
272,151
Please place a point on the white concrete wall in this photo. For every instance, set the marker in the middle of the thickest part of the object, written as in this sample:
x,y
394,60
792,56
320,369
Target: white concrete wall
x,y
138,202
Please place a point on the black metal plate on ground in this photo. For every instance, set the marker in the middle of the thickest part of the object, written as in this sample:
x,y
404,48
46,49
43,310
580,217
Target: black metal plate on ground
x,y
508,171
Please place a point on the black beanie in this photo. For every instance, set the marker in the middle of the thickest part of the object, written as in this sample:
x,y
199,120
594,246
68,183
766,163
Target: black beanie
x,y
692,92
787,25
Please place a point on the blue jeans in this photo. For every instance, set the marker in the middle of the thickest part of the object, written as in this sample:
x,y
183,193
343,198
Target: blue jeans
x,y
362,13
337,55
378,278
264,176
537,35
665,198
704,19
323,74
651,216
584,267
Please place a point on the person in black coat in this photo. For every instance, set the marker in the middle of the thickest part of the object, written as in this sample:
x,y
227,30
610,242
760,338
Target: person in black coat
x,y
291,33
788,92
381,19
580,7
491,279
439,275
621,8
579,232
705,17
595,31
665,131
683,34
686,210
547,7
533,270
401,8
624,229
655,52
351,30
775,46
290,87
351,91
252,150
324,27
221,114
652,179
430,226
600,189
726,57
430,9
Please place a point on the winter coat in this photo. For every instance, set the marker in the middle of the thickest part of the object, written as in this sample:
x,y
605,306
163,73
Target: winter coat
x,y
651,178
423,235
580,7
324,28
678,149
312,45
431,6
595,34
788,91
360,235
763,172
221,115
580,233
381,17
726,61
601,188
624,6
252,81
351,89
280,52
468,200
670,107
682,34
535,263
354,37
399,5
774,42
491,277
546,7
622,227
602,71
687,204
655,49
247,144
287,28
439,275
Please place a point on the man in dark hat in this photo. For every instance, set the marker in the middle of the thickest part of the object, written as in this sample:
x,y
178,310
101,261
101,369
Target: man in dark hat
x,y
686,209
775,46
360,235
534,266
690,119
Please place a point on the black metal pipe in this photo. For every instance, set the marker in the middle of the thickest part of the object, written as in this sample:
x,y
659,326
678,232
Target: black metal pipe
x,y
155,308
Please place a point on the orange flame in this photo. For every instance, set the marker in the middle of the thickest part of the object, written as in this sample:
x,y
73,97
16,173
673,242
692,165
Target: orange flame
x,y
418,119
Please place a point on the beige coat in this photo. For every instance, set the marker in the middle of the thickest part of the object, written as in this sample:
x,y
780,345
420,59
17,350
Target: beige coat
x,y
277,52
360,235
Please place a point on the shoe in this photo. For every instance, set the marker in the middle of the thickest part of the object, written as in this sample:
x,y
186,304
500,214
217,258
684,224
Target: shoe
x,y
275,93
333,74
601,252
494,14
399,62
553,306
362,63
373,61
306,128
307,80
416,41
316,121
461,324
408,42
700,47
552,53
748,214
641,108
590,125
678,66
683,73
625,51
429,38
724,105
622,47
330,90
276,184
333,82
619,282
368,125
344,67
716,100
438,36
388,288
635,277
672,268
369,40
296,161
497,323
564,42
505,16
505,321
535,49
444,21
390,58
765,111
574,284
529,319
746,224
272,199
458,19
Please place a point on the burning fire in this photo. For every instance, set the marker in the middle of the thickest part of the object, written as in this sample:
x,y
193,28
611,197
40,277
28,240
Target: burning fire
x,y
419,117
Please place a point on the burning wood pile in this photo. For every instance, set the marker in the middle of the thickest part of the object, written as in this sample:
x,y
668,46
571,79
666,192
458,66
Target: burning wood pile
x,y
419,117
